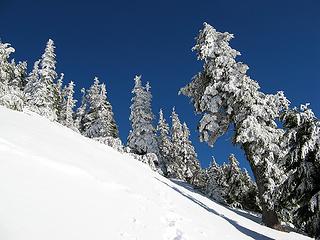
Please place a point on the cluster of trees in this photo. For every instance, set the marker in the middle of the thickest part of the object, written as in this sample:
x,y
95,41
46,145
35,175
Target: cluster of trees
x,y
44,92
231,185
285,161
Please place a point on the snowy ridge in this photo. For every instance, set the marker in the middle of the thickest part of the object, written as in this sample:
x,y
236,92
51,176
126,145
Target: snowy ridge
x,y
57,184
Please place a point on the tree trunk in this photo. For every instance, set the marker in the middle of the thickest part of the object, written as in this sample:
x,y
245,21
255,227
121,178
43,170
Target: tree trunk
x,y
269,216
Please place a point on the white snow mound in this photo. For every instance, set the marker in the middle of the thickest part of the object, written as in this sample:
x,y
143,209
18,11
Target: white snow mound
x,y
56,184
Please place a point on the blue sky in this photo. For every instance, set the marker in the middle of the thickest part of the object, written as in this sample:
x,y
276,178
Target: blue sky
x,y
115,40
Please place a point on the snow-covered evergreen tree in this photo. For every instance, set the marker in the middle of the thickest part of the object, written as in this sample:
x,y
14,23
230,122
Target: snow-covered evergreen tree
x,y
142,137
301,189
19,75
176,166
241,191
99,120
225,95
48,76
81,112
192,165
183,163
216,186
59,97
164,142
233,175
68,103
11,79
41,91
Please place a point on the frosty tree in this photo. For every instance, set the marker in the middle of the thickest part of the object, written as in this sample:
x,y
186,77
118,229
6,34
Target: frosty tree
x,y
81,112
216,186
189,155
183,163
225,95
301,190
42,94
241,191
12,78
68,103
47,77
99,118
164,142
142,137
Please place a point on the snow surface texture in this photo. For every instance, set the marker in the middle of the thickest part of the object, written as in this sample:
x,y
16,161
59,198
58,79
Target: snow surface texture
x,y
57,184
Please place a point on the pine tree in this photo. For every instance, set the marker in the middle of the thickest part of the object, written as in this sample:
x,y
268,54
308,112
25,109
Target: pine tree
x,y
67,113
99,120
225,96
19,75
233,176
48,106
11,79
164,142
142,138
183,162
34,88
301,189
81,112
59,97
241,192
216,186
41,91
192,165
177,166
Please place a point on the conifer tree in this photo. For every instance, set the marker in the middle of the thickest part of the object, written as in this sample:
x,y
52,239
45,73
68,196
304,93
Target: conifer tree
x,y
67,113
183,163
233,176
11,79
142,137
59,97
225,96
216,186
99,120
164,142
176,166
19,75
33,89
41,90
301,189
189,155
81,112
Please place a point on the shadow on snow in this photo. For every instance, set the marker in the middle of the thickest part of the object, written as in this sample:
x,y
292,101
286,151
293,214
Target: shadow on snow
x,y
240,228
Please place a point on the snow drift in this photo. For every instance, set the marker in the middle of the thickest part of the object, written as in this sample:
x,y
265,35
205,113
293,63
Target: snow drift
x,y
57,184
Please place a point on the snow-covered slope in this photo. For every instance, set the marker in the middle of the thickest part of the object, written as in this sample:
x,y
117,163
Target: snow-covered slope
x,y
56,184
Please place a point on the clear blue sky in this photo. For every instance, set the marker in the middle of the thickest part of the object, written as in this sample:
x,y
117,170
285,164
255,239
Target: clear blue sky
x,y
115,40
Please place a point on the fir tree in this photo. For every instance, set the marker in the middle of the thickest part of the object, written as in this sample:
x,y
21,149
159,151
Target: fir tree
x,y
142,138
225,95
11,79
59,98
216,186
48,75
68,103
19,75
183,163
241,190
99,120
164,142
301,189
189,155
81,112
176,167
41,90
